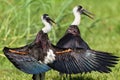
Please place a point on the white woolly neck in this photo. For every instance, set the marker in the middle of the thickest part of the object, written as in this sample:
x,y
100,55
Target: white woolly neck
x,y
47,27
77,18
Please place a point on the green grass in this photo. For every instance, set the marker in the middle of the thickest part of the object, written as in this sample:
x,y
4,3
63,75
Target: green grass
x,y
20,21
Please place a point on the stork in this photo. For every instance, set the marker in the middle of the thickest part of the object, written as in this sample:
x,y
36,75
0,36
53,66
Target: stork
x,y
72,38
32,58
40,56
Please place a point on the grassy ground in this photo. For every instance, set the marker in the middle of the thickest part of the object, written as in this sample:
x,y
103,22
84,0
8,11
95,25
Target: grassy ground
x,y
20,21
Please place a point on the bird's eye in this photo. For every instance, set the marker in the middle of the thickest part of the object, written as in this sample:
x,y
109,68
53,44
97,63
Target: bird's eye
x,y
45,16
79,8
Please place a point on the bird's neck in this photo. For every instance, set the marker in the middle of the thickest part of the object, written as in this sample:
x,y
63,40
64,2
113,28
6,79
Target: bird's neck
x,y
47,28
77,19
42,40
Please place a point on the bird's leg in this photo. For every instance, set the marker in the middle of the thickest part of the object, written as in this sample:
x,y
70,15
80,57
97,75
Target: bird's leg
x,y
38,76
66,75
35,76
61,75
42,76
70,77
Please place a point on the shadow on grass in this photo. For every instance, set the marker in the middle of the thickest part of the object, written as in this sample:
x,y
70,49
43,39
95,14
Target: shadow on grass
x,y
82,78
73,78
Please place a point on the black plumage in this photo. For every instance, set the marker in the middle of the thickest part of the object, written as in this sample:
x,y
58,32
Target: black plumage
x,y
72,39
29,58
66,60
82,60
40,55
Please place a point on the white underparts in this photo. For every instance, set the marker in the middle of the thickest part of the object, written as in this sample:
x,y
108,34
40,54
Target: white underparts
x,y
50,57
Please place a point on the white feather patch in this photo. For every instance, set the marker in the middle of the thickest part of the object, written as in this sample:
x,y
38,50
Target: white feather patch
x,y
90,54
40,62
50,57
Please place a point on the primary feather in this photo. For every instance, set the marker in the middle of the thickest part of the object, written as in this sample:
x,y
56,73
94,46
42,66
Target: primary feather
x,y
81,60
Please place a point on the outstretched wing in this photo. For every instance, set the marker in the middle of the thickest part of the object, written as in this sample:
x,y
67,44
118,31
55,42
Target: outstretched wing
x,y
80,61
24,62
71,41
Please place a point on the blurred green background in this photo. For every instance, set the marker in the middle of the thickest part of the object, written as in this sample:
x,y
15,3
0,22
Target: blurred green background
x,y
20,21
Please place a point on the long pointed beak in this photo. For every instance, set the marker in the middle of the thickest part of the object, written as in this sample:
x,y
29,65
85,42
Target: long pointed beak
x,y
89,14
50,20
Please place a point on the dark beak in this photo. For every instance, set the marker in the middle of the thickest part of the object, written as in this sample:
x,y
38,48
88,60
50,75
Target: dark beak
x,y
50,20
89,14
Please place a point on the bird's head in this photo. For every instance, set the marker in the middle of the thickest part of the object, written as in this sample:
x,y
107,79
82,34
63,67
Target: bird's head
x,y
46,19
80,10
